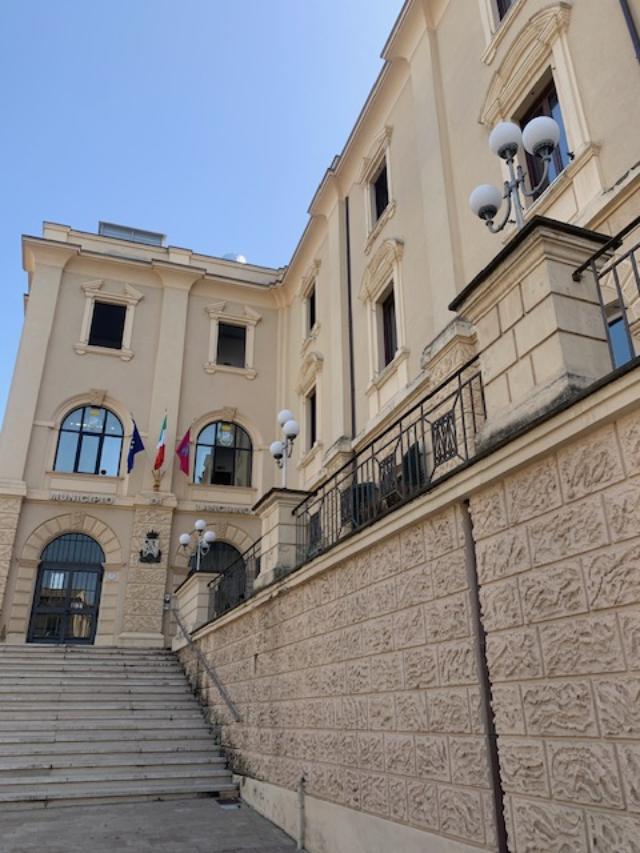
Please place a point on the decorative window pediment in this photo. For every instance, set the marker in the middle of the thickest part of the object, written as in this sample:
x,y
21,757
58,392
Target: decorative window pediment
x,y
127,297
246,318
380,269
309,369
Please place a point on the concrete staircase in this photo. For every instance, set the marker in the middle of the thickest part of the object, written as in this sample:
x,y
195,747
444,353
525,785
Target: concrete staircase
x,y
89,724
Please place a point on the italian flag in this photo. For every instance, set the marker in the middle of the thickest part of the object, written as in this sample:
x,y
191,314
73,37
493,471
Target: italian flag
x,y
161,445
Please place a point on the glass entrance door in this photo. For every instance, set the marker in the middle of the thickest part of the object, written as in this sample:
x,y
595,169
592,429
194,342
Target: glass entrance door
x,y
67,596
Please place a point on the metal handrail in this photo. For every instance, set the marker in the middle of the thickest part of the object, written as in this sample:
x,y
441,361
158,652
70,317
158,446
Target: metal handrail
x,y
613,243
206,665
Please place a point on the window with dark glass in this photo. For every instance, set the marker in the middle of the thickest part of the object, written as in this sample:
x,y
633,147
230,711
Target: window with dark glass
x,y
231,345
389,330
380,189
547,104
223,455
90,442
107,325
312,418
503,7
311,308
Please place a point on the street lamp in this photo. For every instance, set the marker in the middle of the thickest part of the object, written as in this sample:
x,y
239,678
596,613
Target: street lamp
x,y
540,138
198,542
281,450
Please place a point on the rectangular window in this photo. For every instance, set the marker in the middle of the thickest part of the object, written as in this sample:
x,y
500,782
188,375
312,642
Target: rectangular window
x,y
231,345
107,325
380,192
503,7
312,418
622,352
547,104
311,308
389,329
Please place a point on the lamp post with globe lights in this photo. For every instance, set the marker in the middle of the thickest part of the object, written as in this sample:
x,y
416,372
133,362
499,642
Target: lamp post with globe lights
x,y
198,542
540,138
281,450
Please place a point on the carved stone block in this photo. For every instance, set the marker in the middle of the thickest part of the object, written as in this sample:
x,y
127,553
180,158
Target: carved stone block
x,y
449,573
613,576
398,806
413,587
618,702
507,709
610,832
590,464
488,512
422,801
400,755
440,534
501,605
514,655
544,827
381,713
373,793
586,644
411,712
412,546
502,555
358,676
567,531
630,768
629,434
386,672
377,636
523,767
408,628
461,814
553,591
447,618
370,751
352,712
584,772
457,663
623,509
420,668
630,629
449,711
559,708
533,491
469,765
432,758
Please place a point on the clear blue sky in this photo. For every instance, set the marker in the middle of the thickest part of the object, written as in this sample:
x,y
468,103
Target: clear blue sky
x,y
209,120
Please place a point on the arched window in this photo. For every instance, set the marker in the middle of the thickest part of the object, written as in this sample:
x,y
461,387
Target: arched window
x,y
90,442
223,455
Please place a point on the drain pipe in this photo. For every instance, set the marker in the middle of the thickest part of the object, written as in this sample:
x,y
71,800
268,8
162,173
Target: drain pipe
x,y
301,815
483,678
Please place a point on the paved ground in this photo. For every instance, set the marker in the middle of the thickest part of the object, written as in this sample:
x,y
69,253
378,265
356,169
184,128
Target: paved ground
x,y
177,826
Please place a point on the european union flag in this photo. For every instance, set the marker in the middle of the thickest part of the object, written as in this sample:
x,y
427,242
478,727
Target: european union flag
x,y
135,447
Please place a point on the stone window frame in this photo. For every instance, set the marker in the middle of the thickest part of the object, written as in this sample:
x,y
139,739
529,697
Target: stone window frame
x,y
540,49
379,152
218,313
385,268
309,280
496,28
129,297
310,378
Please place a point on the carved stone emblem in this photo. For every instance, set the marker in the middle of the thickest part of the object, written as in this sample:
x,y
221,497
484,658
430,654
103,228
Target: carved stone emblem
x,y
150,551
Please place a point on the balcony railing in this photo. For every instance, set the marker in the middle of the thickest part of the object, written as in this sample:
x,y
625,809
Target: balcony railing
x,y
434,438
618,288
235,584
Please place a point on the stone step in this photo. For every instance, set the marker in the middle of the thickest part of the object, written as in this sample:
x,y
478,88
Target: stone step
x,y
185,743
77,733
98,707
21,765
90,679
162,790
43,661
97,780
56,652
141,722
106,694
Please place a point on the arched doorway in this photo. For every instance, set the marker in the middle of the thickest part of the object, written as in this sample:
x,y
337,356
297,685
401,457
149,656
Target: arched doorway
x,y
67,595
225,560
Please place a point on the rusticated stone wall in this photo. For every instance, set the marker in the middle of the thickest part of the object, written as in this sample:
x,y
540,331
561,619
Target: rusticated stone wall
x,y
559,563
364,678
9,514
364,681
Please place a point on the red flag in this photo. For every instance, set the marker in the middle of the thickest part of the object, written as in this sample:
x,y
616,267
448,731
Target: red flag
x,y
183,452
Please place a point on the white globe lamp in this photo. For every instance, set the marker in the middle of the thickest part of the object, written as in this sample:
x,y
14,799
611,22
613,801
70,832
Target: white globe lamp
x,y
505,139
291,428
541,136
485,201
284,416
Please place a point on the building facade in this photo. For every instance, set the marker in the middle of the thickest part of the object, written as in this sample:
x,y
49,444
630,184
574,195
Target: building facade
x,y
466,474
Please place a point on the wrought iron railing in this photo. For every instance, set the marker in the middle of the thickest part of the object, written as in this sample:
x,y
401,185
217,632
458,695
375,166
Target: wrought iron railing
x,y
235,583
434,438
618,289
